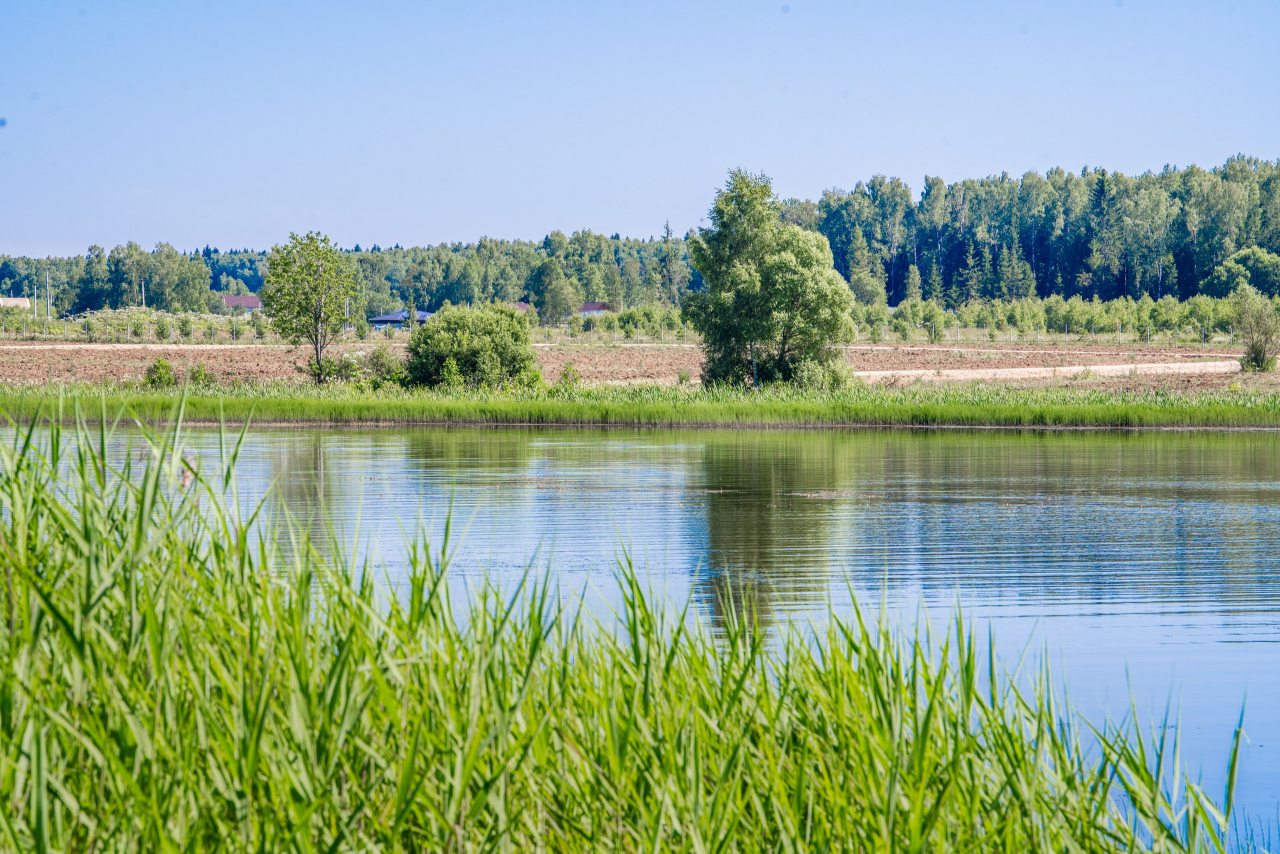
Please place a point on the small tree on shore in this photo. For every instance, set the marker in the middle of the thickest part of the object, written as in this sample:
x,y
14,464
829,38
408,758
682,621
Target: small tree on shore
x,y
310,294
1259,328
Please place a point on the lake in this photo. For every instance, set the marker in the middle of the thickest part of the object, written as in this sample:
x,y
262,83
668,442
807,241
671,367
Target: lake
x,y
1139,566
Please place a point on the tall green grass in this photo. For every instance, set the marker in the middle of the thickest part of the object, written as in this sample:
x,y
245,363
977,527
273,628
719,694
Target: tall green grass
x,y
975,405
172,681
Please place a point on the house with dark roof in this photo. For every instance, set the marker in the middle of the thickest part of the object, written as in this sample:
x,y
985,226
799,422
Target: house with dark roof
x,y
398,318
247,303
591,309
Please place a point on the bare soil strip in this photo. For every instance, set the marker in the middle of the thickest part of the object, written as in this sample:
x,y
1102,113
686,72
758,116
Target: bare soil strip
x,y
625,363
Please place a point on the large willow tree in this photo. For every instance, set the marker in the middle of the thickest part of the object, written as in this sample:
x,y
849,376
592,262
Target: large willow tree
x,y
772,300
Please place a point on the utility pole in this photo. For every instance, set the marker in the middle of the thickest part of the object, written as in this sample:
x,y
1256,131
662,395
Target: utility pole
x,y
48,301
144,293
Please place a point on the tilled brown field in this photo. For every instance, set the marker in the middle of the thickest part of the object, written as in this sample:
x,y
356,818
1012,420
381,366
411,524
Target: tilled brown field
x,y
32,362
38,362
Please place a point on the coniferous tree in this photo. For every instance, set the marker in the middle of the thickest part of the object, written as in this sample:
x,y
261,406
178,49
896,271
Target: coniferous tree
x,y
933,287
913,289
672,269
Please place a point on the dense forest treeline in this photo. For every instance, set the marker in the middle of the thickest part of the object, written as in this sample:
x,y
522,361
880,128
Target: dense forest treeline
x,y
556,274
1178,232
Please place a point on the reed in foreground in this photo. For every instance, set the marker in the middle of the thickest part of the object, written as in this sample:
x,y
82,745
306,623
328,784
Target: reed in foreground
x,y
172,680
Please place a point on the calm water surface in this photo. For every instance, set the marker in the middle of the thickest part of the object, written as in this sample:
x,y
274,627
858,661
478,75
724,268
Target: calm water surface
x,y
1141,566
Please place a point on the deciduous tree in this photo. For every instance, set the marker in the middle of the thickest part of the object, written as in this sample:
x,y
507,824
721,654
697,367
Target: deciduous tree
x,y
772,300
310,294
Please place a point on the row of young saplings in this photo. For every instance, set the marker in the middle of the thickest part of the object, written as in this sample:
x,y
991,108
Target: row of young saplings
x,y
1198,318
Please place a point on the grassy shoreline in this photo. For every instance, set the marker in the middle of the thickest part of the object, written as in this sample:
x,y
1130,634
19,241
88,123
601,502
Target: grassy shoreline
x,y
917,406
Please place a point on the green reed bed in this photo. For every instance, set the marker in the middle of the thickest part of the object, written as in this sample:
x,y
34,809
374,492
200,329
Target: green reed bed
x,y
173,682
922,405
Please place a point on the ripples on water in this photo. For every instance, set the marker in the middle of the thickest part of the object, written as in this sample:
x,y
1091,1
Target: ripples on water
x,y
1143,563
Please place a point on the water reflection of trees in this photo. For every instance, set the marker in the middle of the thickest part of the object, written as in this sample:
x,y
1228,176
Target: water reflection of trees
x,y
1102,518
768,533
1083,518
774,518
466,451
307,491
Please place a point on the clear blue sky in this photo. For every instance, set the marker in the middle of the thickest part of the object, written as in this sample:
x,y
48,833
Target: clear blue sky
x,y
234,123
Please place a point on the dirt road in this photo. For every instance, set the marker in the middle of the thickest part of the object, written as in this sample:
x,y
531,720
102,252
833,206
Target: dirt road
x,y
1043,373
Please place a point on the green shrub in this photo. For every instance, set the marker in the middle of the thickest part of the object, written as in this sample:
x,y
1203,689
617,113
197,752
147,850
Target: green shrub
x,y
901,327
210,332
163,331
343,369
383,368
451,375
201,377
934,320
831,376
137,329
488,347
184,327
235,329
569,376
160,374
259,326
88,328
683,377
1259,328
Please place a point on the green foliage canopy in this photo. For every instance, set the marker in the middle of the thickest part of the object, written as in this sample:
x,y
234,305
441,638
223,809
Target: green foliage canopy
x,y
1253,266
482,347
1091,233
310,293
1258,326
772,299
554,295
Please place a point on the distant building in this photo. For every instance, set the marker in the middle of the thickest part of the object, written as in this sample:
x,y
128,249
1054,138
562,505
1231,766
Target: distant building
x,y
591,309
15,302
521,306
398,318
248,304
